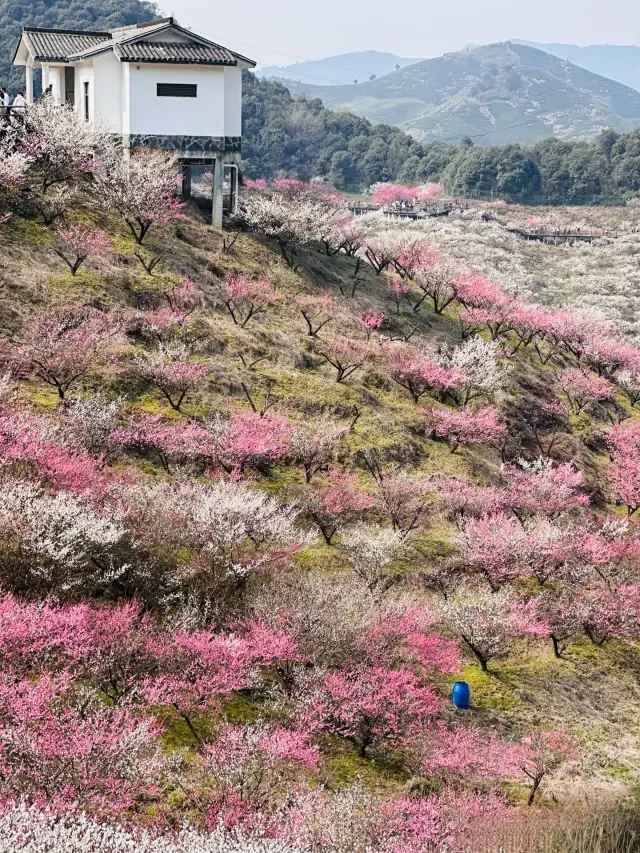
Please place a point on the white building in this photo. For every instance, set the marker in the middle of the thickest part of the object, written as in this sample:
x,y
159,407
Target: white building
x,y
155,85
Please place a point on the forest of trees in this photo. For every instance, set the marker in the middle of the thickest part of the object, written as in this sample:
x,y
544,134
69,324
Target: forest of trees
x,y
298,137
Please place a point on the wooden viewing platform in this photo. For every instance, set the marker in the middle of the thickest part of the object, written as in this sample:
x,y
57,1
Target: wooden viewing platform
x,y
407,212
556,237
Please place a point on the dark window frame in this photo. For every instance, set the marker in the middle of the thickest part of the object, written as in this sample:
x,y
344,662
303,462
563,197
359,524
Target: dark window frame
x,y
177,90
86,102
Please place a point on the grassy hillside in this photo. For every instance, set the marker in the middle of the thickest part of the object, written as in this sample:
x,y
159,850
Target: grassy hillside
x,y
262,506
500,93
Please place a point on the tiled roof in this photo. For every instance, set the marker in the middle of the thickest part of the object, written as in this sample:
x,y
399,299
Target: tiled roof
x,y
184,53
59,45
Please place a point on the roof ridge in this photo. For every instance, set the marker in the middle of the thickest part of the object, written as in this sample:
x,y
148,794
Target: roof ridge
x,y
103,33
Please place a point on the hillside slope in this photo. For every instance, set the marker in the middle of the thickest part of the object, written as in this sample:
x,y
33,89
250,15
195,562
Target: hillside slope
x,y
267,494
591,690
615,61
499,93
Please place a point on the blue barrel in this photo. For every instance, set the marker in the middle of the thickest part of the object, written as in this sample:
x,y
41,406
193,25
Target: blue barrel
x,y
461,694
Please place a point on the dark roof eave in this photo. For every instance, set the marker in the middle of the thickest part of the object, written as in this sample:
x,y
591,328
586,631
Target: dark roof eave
x,y
156,61
42,58
106,35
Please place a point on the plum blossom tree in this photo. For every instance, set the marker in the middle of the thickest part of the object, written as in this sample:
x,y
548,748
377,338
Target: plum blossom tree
x,y
251,438
544,751
317,311
61,147
503,549
196,670
64,542
370,549
31,829
419,374
542,488
624,472
391,193
141,190
60,348
291,222
438,282
399,289
582,389
478,362
336,503
372,322
629,381
465,426
13,168
375,707
62,750
249,767
233,531
489,622
405,633
171,372
89,423
346,356
380,251
314,445
244,297
75,243
352,237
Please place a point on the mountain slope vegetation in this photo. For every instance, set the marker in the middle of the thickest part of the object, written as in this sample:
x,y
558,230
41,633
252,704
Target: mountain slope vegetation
x,y
499,93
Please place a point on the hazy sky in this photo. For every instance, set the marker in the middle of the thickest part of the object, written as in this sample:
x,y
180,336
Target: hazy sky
x,y
279,32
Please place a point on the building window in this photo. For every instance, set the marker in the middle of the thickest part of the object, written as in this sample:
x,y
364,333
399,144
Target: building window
x,y
86,100
177,90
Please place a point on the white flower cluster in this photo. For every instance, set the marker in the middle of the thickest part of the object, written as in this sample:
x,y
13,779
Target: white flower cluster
x,y
59,529
25,829
369,549
479,361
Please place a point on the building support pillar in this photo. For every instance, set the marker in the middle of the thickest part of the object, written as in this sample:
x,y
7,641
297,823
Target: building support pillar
x,y
45,77
29,84
216,213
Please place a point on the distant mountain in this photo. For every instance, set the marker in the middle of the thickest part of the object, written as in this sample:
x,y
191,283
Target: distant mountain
x,y
339,70
618,62
495,94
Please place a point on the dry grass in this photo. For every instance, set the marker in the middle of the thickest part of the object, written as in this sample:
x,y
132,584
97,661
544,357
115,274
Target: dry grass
x,y
614,830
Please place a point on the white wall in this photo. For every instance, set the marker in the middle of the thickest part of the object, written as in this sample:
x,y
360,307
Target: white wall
x,y
201,116
107,75
232,101
56,79
84,74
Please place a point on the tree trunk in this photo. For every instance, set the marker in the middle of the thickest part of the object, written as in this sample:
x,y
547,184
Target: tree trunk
x,y
534,789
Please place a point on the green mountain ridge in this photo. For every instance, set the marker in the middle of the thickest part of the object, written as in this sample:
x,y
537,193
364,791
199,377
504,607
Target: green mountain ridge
x,y
498,93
